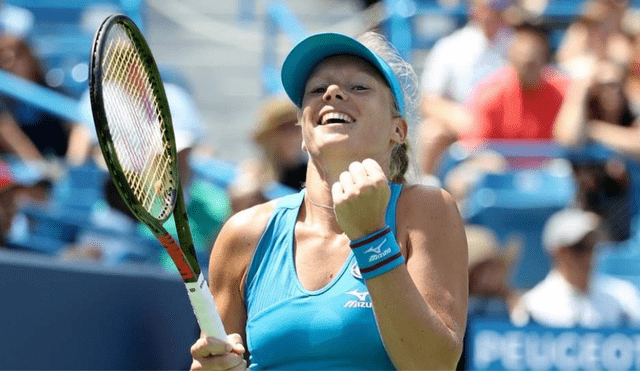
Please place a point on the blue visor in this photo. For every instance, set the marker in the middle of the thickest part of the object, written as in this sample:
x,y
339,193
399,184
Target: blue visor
x,y
305,56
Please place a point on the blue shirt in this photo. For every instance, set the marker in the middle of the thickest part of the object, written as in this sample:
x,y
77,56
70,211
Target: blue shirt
x,y
289,327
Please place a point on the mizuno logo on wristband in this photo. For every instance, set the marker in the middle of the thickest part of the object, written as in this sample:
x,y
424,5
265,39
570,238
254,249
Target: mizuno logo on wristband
x,y
376,250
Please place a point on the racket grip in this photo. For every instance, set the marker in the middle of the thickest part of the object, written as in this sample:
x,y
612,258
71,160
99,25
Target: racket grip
x,y
205,308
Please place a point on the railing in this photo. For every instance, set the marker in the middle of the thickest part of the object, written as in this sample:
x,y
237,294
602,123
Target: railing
x,y
42,97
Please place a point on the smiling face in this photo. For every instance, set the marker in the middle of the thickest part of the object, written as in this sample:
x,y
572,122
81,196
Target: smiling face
x,y
348,111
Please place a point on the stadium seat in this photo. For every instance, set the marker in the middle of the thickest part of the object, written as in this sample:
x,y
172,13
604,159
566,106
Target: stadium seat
x,y
520,202
80,189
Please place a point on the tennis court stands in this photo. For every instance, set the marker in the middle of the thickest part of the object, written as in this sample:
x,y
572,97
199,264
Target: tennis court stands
x,y
62,32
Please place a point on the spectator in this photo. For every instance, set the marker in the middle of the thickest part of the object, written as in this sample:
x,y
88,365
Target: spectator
x,y
280,140
489,269
248,188
632,83
519,101
25,130
462,178
8,203
451,69
490,294
108,239
597,34
597,110
573,294
17,188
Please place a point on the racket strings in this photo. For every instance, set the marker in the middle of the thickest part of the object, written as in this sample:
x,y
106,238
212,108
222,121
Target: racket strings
x,y
136,125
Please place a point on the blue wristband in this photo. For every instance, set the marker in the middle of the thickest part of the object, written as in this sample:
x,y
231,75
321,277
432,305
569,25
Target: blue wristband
x,y
377,253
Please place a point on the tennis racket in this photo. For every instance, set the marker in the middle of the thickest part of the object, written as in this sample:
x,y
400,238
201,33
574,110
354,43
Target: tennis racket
x,y
135,132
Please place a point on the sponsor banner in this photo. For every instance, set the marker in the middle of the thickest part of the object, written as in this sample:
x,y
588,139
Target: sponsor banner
x,y
494,344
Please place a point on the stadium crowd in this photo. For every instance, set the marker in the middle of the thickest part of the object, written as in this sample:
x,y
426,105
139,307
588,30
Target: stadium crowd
x,y
503,80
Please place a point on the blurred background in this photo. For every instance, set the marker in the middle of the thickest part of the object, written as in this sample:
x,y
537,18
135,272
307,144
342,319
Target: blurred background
x,y
528,116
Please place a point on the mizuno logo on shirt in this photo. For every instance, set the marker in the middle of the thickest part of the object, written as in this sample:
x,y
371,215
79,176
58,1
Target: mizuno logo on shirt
x,y
361,300
362,296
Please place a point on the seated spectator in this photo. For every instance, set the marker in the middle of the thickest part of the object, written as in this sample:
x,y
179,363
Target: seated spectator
x,y
454,65
490,294
283,161
280,141
462,178
597,110
110,240
26,130
519,101
248,188
8,204
597,34
489,269
16,189
632,82
573,294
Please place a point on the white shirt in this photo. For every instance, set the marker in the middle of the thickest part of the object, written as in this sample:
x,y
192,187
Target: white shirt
x,y
458,61
554,302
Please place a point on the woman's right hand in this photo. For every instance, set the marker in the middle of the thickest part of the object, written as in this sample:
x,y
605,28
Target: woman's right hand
x,y
213,354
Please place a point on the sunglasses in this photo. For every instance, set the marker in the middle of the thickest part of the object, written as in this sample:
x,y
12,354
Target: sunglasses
x,y
585,245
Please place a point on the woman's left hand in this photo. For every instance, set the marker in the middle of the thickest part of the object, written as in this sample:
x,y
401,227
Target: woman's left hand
x,y
360,199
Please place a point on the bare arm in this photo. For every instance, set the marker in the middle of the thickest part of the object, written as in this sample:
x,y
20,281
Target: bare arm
x,y
230,258
455,116
569,128
14,140
79,147
444,121
421,307
622,139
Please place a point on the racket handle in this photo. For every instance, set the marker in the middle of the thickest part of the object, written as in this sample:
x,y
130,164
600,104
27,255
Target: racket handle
x,y
205,309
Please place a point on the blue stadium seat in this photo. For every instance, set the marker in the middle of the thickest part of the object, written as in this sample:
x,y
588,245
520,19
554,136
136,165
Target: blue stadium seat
x,y
80,189
621,259
71,11
520,202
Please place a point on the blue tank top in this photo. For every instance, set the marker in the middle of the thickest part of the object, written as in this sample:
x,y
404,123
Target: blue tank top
x,y
289,327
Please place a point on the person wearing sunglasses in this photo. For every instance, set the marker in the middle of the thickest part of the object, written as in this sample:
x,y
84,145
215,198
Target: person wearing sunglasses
x,y
574,294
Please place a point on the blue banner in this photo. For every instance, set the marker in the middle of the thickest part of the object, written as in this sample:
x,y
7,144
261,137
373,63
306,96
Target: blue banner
x,y
498,345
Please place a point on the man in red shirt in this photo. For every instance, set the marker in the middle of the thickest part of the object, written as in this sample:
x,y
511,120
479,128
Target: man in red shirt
x,y
521,100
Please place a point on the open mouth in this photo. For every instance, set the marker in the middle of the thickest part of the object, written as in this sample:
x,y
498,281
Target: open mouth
x,y
335,118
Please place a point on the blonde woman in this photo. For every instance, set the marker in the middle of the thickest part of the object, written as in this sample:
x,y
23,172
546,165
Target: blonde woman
x,y
360,270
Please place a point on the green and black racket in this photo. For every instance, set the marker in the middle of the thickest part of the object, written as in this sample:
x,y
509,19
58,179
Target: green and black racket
x,y
134,128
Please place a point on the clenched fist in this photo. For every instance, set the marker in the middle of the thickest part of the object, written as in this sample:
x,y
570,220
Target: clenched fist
x,y
360,198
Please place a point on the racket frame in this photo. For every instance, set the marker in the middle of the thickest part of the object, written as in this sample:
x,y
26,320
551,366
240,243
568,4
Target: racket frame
x,y
184,258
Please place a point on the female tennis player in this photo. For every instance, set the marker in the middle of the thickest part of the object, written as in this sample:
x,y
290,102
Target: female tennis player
x,y
360,270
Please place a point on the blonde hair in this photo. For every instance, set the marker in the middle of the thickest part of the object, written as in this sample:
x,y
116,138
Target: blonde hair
x,y
411,94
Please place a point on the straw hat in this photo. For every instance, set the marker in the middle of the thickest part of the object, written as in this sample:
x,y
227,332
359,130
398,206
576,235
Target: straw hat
x,y
483,246
272,115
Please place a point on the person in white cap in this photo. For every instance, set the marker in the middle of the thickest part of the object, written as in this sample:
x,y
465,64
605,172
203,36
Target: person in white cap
x,y
573,294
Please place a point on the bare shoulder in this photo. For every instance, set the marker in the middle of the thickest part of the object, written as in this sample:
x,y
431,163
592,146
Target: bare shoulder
x,y
428,204
238,238
428,215
246,226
